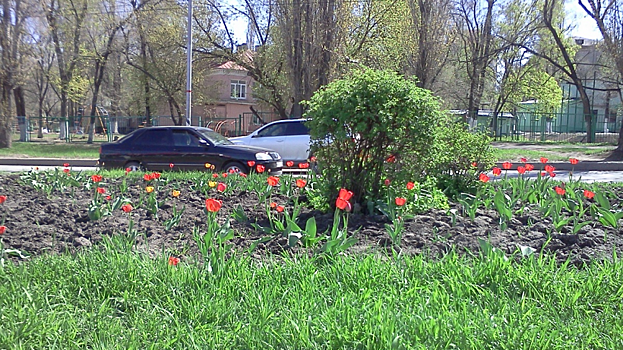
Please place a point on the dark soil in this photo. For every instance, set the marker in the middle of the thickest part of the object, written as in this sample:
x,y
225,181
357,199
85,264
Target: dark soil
x,y
37,224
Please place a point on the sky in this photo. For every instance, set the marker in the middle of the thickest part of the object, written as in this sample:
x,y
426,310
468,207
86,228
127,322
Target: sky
x,y
584,25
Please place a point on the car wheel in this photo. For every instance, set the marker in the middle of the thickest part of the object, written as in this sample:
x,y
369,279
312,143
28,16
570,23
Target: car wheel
x,y
134,166
234,167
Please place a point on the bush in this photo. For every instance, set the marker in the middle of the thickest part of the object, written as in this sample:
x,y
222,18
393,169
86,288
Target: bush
x,y
371,126
454,153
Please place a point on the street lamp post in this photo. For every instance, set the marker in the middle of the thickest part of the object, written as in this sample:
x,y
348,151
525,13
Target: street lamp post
x,y
189,64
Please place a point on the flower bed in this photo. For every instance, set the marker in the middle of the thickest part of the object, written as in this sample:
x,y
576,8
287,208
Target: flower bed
x,y
188,215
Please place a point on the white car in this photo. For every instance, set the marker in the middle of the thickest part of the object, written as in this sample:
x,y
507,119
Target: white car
x,y
290,138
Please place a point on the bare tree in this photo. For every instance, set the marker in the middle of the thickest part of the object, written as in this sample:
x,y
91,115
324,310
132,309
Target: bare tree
x,y
475,28
433,27
66,24
12,18
101,50
608,15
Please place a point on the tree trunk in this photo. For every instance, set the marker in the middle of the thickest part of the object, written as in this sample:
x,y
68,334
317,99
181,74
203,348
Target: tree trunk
x,y
20,109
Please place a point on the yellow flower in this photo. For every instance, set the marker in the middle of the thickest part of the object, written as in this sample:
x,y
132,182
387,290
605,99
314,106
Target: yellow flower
x,y
212,184
208,166
149,189
175,193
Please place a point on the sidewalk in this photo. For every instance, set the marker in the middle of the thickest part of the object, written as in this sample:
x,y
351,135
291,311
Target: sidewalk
x,y
581,166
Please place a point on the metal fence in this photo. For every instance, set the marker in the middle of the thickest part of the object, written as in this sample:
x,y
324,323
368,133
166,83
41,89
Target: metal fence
x,y
564,127
75,129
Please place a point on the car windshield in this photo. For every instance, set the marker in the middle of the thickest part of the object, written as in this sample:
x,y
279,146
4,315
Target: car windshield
x,y
215,137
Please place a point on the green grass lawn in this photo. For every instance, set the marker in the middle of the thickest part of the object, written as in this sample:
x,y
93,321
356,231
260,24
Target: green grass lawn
x,y
52,150
114,299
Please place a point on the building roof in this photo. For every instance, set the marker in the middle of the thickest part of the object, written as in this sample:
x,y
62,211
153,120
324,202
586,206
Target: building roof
x,y
247,56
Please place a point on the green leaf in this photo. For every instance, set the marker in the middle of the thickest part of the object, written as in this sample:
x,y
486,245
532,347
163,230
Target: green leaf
x,y
310,227
602,200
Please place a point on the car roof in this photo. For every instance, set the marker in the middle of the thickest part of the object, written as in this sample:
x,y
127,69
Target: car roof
x,y
177,127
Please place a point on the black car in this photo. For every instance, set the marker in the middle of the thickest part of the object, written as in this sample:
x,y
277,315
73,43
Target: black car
x,y
186,148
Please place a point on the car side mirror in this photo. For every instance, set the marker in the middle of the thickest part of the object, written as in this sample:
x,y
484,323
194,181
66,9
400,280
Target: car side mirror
x,y
204,143
255,136
116,138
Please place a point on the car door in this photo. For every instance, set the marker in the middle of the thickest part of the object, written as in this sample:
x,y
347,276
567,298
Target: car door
x,y
271,136
192,151
153,148
296,144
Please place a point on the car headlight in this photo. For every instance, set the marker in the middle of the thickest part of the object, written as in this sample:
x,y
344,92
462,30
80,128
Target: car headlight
x,y
263,156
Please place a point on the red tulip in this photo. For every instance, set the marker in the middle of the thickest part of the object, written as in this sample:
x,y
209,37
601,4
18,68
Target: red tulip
x,y
221,187
559,190
251,163
171,165
273,205
549,168
496,171
101,190
173,261
127,207
214,176
552,174
260,168
400,201
96,178
589,194
66,165
224,175
300,183
280,209
543,160
273,180
387,182
573,161
66,171
2,199
312,159
529,167
108,198
155,175
147,177
345,194
474,164
507,165
521,169
2,229
484,178
391,159
410,185
213,205
342,201
523,160
342,204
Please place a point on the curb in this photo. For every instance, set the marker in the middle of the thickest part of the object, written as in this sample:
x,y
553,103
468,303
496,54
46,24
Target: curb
x,y
581,166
